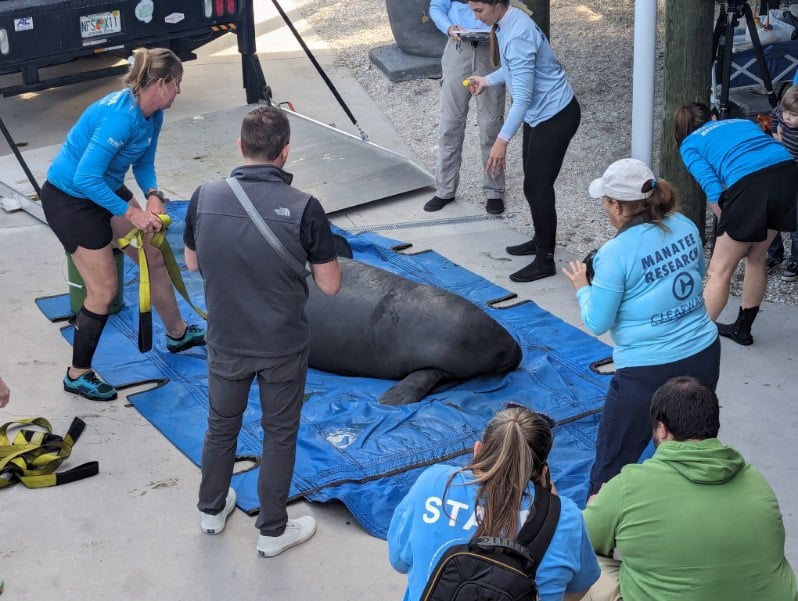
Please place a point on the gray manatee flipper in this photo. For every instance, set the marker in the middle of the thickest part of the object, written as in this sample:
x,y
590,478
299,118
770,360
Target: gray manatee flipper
x,y
413,387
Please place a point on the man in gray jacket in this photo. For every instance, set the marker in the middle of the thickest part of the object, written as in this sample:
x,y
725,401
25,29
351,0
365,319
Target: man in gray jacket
x,y
255,293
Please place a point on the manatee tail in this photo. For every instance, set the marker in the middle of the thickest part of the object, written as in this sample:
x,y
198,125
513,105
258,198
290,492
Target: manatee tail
x,y
414,387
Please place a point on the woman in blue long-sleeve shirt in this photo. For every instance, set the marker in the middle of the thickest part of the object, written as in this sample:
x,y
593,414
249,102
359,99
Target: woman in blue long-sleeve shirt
x,y
646,291
750,182
545,105
492,496
87,206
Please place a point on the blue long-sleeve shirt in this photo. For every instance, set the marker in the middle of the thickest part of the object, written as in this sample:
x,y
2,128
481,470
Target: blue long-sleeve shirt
x,y
431,518
530,70
445,13
646,292
110,136
720,153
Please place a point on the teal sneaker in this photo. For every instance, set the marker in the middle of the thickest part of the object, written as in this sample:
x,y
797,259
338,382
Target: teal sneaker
x,y
193,336
90,386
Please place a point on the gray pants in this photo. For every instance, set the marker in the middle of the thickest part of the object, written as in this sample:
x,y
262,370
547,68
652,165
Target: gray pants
x,y
456,65
281,381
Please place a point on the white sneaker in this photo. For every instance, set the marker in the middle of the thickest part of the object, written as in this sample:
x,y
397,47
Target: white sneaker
x,y
296,532
214,524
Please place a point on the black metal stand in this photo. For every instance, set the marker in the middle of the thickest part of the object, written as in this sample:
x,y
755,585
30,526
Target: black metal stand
x,y
20,160
319,69
722,42
254,81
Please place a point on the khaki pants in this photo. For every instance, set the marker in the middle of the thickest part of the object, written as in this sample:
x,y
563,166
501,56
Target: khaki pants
x,y
606,587
458,62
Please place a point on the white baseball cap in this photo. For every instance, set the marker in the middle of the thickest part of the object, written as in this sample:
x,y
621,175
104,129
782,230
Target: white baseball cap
x,y
623,180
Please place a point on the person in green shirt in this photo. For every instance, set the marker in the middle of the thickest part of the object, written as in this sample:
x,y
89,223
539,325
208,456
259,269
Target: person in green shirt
x,y
693,523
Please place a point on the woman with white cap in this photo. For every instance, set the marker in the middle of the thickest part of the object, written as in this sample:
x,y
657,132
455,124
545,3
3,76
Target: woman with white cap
x,y
646,291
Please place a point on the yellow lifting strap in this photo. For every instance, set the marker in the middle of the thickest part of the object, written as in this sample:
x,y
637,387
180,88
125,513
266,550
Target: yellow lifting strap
x,y
135,238
34,455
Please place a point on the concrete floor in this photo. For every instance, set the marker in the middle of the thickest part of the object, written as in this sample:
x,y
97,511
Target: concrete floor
x,y
132,532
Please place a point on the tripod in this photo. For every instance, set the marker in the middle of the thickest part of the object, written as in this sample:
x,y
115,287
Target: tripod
x,y
722,41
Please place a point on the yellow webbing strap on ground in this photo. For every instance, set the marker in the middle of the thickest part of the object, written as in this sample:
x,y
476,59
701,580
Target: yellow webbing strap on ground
x,y
34,455
135,237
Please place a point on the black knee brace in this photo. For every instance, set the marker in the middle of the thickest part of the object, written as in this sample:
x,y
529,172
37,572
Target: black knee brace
x,y
88,327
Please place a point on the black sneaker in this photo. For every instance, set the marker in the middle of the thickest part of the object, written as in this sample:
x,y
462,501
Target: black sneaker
x,y
90,386
790,273
436,203
772,263
494,206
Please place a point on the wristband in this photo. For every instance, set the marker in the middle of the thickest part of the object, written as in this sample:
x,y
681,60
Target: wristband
x,y
158,193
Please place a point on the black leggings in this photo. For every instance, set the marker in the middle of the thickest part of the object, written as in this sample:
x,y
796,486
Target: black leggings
x,y
543,153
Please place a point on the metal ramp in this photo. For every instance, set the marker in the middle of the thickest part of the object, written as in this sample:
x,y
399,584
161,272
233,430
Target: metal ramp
x,y
12,199
344,171
338,168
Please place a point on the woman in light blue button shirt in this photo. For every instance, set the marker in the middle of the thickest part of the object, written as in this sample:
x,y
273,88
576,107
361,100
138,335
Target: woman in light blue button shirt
x,y
545,105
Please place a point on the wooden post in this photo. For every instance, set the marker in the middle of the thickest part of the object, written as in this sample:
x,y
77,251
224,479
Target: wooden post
x,y
687,78
541,14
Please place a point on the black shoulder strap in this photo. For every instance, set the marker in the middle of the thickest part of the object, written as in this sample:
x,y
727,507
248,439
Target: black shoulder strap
x,y
538,530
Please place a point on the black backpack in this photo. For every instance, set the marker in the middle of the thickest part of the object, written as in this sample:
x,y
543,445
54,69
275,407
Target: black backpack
x,y
490,568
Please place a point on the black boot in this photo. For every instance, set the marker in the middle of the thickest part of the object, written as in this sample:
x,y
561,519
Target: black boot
x,y
525,248
541,267
740,330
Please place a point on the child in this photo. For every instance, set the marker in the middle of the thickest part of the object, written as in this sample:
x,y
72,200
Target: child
x,y
785,118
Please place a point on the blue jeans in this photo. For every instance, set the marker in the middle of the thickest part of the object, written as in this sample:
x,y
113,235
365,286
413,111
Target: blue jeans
x,y
776,248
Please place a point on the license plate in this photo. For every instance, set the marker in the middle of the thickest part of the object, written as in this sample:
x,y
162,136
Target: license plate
x,y
100,24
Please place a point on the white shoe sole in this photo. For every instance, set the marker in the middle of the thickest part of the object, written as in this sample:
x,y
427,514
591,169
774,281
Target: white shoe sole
x,y
229,506
278,550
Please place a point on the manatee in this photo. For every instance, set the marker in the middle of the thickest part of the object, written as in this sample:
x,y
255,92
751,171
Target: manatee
x,y
382,325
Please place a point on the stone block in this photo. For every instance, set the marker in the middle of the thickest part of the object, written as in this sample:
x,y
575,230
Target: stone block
x,y
399,66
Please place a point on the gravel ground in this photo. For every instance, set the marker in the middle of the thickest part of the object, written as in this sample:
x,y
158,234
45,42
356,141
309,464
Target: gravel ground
x,y
594,43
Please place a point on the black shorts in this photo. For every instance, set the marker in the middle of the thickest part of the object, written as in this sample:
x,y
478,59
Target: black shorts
x,y
78,221
761,201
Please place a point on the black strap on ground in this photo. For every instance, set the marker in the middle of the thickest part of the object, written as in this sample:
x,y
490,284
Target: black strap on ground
x,y
20,160
319,68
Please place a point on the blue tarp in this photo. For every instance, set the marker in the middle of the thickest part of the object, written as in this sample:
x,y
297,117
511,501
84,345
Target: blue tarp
x,y
350,447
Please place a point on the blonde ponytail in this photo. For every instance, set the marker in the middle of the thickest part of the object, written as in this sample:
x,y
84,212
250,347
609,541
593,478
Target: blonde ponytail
x,y
150,65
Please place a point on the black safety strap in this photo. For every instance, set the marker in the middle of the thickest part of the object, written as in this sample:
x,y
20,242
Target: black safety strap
x,y
538,530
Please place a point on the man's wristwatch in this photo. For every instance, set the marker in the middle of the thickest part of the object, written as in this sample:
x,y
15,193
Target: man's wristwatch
x,y
158,193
